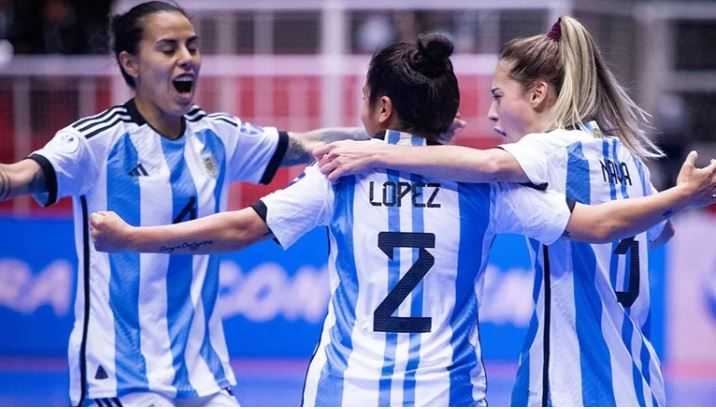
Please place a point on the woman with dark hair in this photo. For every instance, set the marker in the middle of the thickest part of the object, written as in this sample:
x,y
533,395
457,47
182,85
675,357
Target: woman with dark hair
x,y
406,252
147,331
576,130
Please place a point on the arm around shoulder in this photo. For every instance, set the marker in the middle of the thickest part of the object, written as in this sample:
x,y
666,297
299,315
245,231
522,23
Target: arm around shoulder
x,y
449,162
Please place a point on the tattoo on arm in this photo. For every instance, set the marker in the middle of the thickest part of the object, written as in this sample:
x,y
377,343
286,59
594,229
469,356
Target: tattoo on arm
x,y
296,154
191,245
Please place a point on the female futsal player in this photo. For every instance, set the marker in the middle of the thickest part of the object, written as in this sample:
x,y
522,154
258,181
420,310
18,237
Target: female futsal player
x,y
146,330
406,250
588,340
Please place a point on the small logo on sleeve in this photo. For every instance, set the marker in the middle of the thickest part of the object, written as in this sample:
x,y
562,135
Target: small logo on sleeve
x,y
101,373
69,143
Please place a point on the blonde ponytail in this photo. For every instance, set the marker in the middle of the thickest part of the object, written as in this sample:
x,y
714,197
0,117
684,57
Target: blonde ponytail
x,y
568,58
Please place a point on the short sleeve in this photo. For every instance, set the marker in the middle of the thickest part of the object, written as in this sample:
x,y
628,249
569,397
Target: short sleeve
x,y
294,211
533,153
541,215
257,154
69,166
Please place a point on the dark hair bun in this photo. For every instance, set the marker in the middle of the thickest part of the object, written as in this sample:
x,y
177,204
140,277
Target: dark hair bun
x,y
433,53
435,46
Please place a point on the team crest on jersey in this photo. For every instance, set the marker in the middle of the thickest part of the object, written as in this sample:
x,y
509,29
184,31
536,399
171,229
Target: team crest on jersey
x,y
69,143
210,166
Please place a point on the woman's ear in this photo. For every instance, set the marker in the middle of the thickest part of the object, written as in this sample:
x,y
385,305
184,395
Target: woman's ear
x,y
129,64
385,111
539,95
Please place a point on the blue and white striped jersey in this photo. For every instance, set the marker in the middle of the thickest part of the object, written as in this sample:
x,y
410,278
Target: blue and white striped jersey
x,y
149,322
588,340
405,263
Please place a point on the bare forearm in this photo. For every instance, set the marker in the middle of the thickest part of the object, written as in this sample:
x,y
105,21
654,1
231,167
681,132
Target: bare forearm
x,y
624,218
302,144
228,231
454,163
5,183
21,178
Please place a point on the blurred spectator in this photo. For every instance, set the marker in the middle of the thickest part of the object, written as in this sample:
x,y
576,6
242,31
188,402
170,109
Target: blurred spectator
x,y
407,25
374,33
6,17
61,29
672,124
59,26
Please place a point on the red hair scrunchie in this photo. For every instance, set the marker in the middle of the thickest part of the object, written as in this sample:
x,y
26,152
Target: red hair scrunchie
x,y
556,32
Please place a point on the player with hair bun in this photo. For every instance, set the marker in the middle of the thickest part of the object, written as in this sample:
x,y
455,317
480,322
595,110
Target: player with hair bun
x,y
406,251
575,129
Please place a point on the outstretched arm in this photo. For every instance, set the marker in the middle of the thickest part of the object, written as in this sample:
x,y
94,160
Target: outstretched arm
x,y
21,178
228,231
444,162
302,144
623,218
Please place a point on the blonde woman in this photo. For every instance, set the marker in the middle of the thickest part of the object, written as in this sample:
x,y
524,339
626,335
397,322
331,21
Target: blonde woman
x,y
572,127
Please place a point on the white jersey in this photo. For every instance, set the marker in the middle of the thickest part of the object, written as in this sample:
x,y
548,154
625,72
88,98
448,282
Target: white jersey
x,y
587,343
406,257
149,322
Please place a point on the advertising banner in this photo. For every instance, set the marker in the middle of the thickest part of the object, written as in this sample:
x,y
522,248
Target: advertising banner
x,y
273,301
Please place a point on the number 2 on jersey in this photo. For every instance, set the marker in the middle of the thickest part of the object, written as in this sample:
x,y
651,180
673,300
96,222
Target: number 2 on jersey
x,y
383,319
630,247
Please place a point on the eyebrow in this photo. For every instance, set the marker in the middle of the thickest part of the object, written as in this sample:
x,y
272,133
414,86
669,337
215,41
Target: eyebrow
x,y
193,38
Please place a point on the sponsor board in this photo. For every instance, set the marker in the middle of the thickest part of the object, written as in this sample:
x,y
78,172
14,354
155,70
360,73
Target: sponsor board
x,y
691,289
273,301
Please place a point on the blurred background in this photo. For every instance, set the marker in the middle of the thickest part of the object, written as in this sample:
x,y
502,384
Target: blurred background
x,y
298,65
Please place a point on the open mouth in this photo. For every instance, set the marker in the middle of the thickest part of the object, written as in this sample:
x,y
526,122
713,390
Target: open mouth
x,y
183,85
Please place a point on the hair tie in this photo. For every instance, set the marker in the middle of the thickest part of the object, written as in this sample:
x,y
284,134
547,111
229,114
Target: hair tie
x,y
556,32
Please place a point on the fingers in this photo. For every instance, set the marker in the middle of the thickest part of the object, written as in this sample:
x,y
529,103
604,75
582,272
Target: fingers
x,y
328,166
711,168
327,158
322,150
95,219
687,168
691,159
712,173
334,170
334,175
352,168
